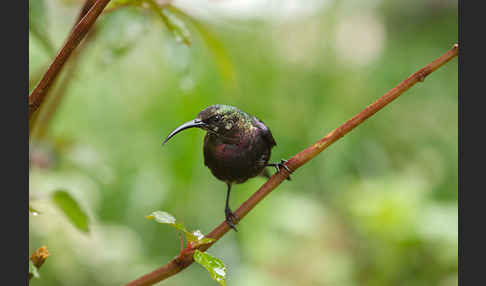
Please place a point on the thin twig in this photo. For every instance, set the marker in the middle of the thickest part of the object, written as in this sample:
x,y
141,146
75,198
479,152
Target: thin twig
x,y
77,34
39,122
185,258
56,98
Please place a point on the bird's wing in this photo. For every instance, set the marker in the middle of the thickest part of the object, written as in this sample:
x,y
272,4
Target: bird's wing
x,y
266,133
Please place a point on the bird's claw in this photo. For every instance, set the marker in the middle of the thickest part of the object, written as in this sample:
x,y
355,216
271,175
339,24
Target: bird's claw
x,y
281,164
231,219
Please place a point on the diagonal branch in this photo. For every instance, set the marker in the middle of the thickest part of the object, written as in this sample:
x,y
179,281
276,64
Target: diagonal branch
x,y
185,257
77,34
84,10
39,122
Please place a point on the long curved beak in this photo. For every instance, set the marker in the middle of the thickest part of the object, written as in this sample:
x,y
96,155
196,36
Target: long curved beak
x,y
190,124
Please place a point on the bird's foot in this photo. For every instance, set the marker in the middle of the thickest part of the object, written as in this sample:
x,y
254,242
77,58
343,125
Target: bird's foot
x,y
231,218
281,164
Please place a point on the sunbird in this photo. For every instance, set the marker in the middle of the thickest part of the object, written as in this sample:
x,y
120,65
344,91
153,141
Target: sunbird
x,y
237,147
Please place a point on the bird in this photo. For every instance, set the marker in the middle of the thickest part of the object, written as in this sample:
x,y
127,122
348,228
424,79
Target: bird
x,y
237,147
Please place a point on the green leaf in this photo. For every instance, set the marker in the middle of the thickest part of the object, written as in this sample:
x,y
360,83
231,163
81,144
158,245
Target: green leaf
x,y
33,211
33,270
166,218
213,265
66,203
162,217
196,237
199,239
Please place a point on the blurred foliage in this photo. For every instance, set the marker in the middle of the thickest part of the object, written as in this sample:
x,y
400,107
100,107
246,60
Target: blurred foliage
x,y
171,21
38,24
379,207
65,202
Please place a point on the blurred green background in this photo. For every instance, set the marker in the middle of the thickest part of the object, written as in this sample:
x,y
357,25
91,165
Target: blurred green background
x,y
379,207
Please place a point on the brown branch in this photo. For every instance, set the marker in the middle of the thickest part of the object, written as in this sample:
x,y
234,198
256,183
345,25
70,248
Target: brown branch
x,y
38,258
50,108
77,34
84,10
39,122
185,257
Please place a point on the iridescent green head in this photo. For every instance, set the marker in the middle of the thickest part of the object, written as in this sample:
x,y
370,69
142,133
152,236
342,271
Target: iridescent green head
x,y
223,120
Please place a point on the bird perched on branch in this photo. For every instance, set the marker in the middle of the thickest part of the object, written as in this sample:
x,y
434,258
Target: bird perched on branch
x,y
237,147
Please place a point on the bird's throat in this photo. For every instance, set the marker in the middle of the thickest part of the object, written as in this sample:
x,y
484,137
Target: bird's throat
x,y
224,138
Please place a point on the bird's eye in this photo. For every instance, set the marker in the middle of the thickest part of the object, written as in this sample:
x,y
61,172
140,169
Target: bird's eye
x,y
217,118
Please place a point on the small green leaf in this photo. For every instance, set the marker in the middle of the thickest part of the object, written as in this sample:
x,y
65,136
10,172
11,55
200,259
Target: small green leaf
x,y
213,265
166,218
199,239
66,203
196,237
33,211
162,217
33,270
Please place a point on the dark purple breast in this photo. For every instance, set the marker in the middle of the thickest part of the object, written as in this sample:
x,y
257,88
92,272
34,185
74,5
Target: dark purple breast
x,y
236,163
